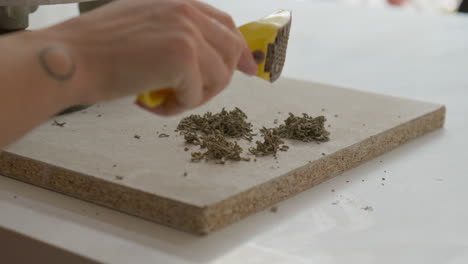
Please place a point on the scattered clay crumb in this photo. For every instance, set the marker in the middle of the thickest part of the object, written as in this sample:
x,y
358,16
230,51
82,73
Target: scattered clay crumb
x,y
185,174
274,209
99,115
275,121
118,177
14,196
162,135
383,184
323,154
279,112
115,165
60,124
255,160
363,125
399,116
186,149
385,171
336,115
383,179
335,202
323,109
362,180
136,136
347,181
380,161
368,208
332,190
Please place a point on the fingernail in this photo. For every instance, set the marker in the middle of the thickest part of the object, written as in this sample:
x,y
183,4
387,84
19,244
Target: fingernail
x,y
248,66
253,68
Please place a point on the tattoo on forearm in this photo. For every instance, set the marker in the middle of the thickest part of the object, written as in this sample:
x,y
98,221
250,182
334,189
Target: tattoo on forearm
x,y
57,63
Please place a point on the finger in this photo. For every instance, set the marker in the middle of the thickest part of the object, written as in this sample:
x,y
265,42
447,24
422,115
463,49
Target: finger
x,y
211,78
188,93
246,62
215,68
220,16
189,87
214,72
169,108
223,40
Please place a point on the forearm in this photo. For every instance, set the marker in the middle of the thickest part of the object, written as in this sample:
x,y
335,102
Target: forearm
x,y
112,53
39,76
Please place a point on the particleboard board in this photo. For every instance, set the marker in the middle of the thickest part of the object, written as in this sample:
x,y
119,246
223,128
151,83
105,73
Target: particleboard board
x,y
83,158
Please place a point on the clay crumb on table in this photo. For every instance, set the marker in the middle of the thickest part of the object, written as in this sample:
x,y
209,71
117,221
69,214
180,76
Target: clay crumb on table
x,y
59,124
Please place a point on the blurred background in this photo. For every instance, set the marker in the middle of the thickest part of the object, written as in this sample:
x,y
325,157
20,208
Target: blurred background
x,y
439,6
43,18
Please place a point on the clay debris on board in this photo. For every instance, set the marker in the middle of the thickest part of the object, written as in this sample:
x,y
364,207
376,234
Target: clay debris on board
x,y
217,134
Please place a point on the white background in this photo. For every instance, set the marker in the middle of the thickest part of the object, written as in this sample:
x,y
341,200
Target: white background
x,y
419,215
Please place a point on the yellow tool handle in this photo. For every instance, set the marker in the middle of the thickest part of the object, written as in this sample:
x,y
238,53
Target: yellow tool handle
x,y
154,98
258,35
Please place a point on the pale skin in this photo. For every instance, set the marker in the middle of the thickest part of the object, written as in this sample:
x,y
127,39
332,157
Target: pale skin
x,y
121,49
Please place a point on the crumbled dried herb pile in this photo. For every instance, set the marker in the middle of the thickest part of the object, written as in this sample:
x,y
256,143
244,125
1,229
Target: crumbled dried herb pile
x,y
217,133
218,149
231,124
270,145
305,128
211,131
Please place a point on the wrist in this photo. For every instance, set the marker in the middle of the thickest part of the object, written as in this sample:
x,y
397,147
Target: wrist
x,y
60,65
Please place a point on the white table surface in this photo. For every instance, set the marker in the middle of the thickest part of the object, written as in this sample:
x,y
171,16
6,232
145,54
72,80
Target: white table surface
x,y
419,215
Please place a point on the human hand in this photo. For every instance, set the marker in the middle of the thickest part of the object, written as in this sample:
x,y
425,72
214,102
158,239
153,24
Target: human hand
x,y
132,46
